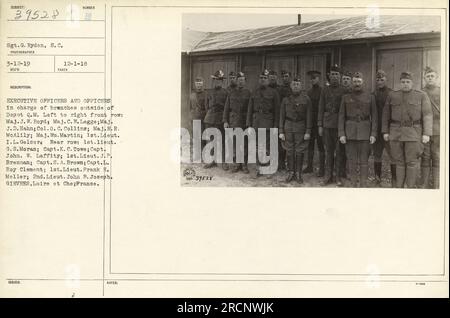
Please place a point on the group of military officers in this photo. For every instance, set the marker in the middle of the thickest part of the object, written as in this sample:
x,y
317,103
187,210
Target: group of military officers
x,y
344,120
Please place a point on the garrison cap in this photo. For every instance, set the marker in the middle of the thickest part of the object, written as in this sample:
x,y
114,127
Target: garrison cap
x,y
347,73
313,73
283,72
429,70
358,75
272,72
335,68
296,78
232,73
199,79
264,73
219,75
240,74
406,75
381,74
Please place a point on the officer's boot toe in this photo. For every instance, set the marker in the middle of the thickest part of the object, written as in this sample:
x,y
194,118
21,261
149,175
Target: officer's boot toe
x,y
210,165
290,176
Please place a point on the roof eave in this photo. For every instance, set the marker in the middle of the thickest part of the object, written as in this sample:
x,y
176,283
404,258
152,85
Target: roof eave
x,y
388,38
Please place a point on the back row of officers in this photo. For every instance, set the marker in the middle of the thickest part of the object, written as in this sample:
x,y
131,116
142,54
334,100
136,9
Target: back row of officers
x,y
345,121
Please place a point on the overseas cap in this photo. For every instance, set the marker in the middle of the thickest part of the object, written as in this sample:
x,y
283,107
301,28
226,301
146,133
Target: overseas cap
x,y
380,74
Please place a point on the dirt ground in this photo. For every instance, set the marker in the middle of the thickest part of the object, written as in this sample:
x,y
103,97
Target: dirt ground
x,y
217,177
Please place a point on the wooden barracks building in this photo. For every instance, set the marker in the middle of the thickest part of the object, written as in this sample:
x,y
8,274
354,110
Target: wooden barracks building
x,y
391,43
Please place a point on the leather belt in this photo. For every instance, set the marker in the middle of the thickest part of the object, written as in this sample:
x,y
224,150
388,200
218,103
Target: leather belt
x,y
406,123
358,118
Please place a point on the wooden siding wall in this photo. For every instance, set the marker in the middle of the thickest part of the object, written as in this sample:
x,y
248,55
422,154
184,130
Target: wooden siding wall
x,y
393,58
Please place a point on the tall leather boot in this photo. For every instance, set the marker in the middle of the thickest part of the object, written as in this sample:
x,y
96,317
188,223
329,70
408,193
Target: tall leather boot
x,y
298,168
411,177
377,170
400,176
309,165
435,177
290,168
321,164
425,177
328,176
393,175
363,174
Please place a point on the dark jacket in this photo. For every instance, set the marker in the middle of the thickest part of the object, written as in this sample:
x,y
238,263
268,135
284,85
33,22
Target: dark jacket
x,y
197,105
236,107
264,108
215,105
314,94
434,94
329,104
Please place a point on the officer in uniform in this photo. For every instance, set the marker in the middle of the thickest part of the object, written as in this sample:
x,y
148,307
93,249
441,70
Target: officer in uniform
x,y
314,94
215,104
197,101
327,122
284,90
407,124
263,110
346,81
381,92
295,128
273,79
358,120
430,157
233,81
235,114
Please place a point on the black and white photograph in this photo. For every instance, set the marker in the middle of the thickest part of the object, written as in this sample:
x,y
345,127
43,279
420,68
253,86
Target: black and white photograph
x,y
301,100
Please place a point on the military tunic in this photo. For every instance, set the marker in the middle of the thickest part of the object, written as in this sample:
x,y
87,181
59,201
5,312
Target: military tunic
x,y
295,122
358,116
406,117
431,151
215,104
380,99
236,107
197,103
263,108
329,104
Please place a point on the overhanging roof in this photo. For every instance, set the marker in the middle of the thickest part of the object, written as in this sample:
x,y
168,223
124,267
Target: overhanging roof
x,y
358,27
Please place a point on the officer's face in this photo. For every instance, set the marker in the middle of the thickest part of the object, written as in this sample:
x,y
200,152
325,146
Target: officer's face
x,y
198,85
233,80
286,78
315,80
406,84
296,87
430,78
272,79
241,81
381,82
218,83
263,80
335,77
357,83
346,81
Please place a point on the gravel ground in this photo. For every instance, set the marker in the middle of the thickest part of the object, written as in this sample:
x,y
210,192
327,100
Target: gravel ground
x,y
217,177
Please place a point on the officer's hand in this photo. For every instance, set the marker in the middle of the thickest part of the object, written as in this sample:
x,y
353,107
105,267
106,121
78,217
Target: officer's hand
x,y
343,139
307,136
225,125
425,139
386,137
320,131
282,137
372,139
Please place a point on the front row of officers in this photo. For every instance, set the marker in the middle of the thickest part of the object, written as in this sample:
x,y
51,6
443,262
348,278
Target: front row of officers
x,y
345,121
